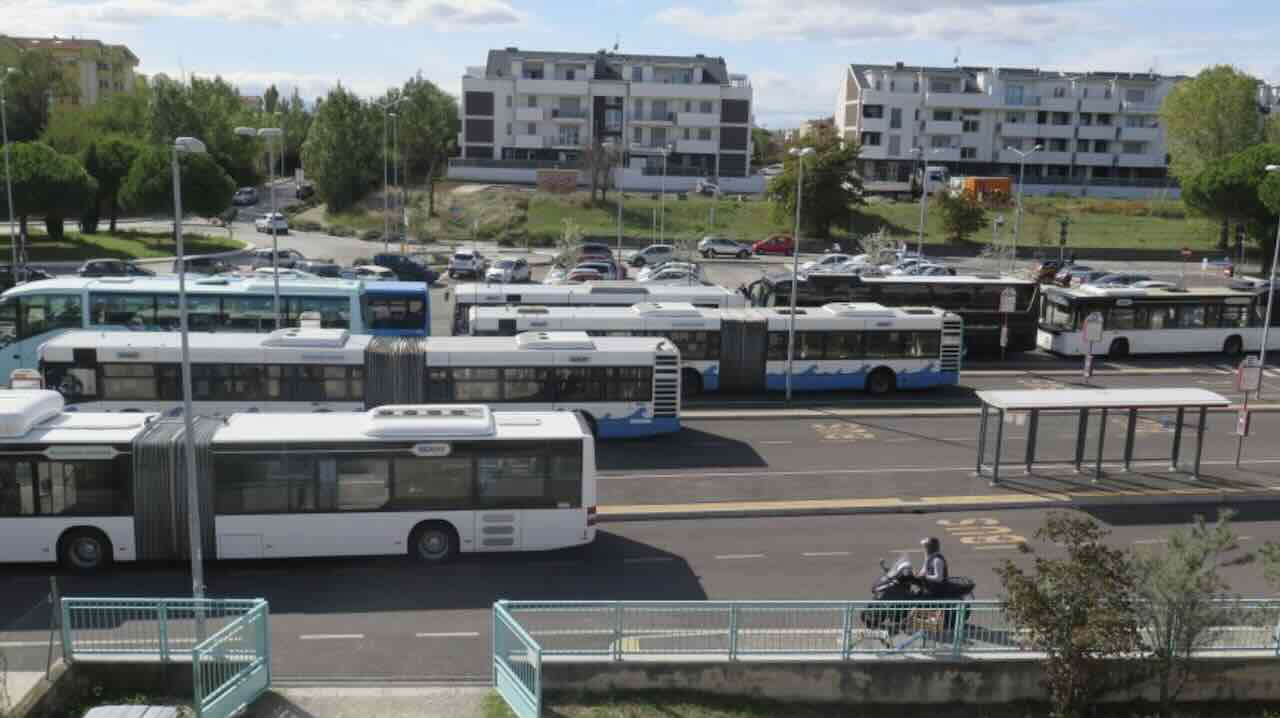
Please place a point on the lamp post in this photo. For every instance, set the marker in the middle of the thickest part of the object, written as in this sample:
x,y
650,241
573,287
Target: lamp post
x,y
924,192
1271,297
610,147
662,198
395,171
386,196
799,154
187,145
8,177
1017,227
270,134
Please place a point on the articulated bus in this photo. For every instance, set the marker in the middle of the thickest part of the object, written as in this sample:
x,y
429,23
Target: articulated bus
x,y
86,489
590,294
32,313
1155,321
838,346
976,298
624,386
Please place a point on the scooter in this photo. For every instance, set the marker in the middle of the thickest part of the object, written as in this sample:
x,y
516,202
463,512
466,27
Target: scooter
x,y
899,584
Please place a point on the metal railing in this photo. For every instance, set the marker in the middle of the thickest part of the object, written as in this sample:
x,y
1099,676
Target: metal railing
x,y
226,641
512,164
517,665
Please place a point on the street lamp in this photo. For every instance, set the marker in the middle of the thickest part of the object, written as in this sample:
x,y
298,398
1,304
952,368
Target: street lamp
x,y
799,154
8,177
610,147
924,192
395,175
187,145
662,197
1271,296
270,134
1017,227
386,209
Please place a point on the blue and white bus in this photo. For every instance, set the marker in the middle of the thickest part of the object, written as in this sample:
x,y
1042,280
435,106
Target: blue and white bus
x,y
838,346
32,313
623,386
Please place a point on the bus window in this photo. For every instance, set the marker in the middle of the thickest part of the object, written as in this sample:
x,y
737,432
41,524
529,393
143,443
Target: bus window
x,y
1235,316
1121,318
388,311
129,382
442,484
527,384
136,311
363,484
84,488
476,384
1163,316
1191,316
8,320
512,478
335,312
1059,316
42,313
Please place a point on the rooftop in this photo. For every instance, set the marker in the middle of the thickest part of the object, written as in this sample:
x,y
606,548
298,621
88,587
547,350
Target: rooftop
x,y
67,43
607,63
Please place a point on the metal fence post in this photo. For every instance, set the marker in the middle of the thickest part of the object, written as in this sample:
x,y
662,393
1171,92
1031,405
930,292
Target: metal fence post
x,y
163,617
617,630
67,654
957,638
537,681
846,633
264,625
197,683
733,632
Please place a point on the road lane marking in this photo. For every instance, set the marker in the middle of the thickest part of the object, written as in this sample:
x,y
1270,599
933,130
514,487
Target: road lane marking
x,y
998,547
821,554
738,556
330,636
648,559
23,644
449,634
778,442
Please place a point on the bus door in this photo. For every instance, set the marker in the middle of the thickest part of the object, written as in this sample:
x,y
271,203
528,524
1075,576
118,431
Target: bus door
x,y
743,347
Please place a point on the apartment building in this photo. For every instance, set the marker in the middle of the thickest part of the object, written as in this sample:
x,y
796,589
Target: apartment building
x,y
98,68
525,109
1094,128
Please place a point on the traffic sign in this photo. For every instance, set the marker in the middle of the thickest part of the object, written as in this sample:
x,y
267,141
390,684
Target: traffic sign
x,y
1008,300
1249,374
1093,327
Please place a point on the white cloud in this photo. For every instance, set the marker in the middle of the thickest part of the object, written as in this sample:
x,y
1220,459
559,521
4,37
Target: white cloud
x,y
64,17
782,100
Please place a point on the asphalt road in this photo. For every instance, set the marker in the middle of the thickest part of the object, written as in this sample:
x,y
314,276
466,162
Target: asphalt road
x,y
352,620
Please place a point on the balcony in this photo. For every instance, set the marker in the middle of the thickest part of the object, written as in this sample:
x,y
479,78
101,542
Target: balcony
x,y
1140,134
1039,158
1096,132
1147,160
1096,159
538,86
567,143
873,124
1108,105
965,100
944,154
653,118
1056,131
1020,129
697,119
1149,108
701,147
475,71
562,115
873,152
532,142
530,114
943,127
681,91
737,88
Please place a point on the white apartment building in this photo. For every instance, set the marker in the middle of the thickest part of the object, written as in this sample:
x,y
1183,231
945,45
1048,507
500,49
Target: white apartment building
x,y
528,109
1094,128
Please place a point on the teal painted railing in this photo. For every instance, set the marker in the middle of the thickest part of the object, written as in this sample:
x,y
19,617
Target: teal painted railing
x,y
517,665
225,640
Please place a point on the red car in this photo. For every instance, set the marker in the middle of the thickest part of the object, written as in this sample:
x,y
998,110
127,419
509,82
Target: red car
x,y
582,274
777,244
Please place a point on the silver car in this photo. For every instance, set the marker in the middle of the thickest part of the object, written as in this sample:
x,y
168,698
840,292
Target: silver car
x,y
723,247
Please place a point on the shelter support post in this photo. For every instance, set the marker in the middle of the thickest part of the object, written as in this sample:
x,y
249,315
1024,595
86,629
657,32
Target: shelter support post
x,y
982,436
1102,441
995,463
1195,470
1033,423
1082,430
1177,439
1128,438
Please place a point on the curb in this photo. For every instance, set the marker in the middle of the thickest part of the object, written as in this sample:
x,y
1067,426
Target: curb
x,y
811,412
246,246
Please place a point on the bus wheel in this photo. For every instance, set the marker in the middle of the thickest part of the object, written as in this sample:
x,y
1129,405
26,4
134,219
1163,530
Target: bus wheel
x,y
881,381
84,550
690,383
433,542
1119,349
1233,347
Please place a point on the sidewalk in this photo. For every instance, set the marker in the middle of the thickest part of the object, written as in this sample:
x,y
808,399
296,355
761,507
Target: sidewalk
x,y
371,702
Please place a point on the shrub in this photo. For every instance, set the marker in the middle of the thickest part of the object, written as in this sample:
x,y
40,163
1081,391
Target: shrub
x,y
341,230
306,225
371,235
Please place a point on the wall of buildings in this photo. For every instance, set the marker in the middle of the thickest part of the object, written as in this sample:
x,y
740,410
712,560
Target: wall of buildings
x,y
98,69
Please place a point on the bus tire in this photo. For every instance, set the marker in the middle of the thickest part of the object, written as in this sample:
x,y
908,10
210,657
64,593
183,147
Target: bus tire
x,y
690,382
433,542
1119,349
1233,346
84,550
881,382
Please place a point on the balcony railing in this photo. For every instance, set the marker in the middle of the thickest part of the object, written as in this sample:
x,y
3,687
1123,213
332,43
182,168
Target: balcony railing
x,y
566,114
652,117
675,171
511,164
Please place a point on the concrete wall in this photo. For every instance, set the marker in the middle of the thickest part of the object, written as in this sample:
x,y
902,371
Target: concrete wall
x,y
495,175
894,682
630,180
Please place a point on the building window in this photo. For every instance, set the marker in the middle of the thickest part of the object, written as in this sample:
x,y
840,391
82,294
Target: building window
x,y
942,115
531,128
1086,119
569,135
940,142
104,67
637,135
533,101
688,135
941,86
968,153
569,74
1082,146
1013,95
895,118
873,112
1101,146
1057,145
704,133
915,86
1015,118
1104,120
508,100
637,74
508,129
103,84
871,139
892,85
970,126
613,120
638,110
1059,92
1134,148
705,107
895,145
1135,95
1062,119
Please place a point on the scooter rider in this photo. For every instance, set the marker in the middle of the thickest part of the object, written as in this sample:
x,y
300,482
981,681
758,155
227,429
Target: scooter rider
x,y
933,573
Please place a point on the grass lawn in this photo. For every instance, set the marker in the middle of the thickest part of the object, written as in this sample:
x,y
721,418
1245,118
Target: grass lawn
x,y
123,245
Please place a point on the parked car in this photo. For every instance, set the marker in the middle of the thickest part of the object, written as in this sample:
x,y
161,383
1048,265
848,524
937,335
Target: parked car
x,y
272,222
673,275
929,269
467,263
1119,279
708,187
593,250
777,244
507,270
1065,274
305,190
723,247
1047,270
112,268
607,269
647,272
407,269
319,268
245,196
583,274
856,268
826,260
771,170
653,254
205,265
370,273
29,274
285,259
1154,284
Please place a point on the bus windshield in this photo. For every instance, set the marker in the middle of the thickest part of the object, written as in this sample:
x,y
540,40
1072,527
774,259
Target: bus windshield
x,y
1060,317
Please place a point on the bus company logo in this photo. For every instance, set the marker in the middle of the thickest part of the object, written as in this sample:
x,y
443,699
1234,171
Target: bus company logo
x,y
80,453
433,450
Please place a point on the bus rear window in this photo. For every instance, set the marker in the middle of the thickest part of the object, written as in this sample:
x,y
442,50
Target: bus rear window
x,y
389,311
1057,316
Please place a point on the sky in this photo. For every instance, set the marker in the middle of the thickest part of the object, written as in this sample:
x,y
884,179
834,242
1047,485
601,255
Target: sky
x,y
793,50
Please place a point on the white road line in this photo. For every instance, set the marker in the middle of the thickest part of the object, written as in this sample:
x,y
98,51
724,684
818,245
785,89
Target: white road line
x,y
330,636
449,634
998,547
907,550
738,556
820,554
649,559
777,442
898,441
23,644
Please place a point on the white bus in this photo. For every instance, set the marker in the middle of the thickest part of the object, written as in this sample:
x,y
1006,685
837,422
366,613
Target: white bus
x,y
624,386
590,294
86,489
838,346
32,313
1154,321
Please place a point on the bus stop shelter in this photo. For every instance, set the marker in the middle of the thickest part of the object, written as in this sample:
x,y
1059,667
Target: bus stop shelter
x,y
1084,403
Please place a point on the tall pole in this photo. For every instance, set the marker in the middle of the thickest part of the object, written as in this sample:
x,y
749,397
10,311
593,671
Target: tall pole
x,y
1271,298
275,245
386,191
795,272
662,201
8,178
1017,228
924,197
189,440
395,166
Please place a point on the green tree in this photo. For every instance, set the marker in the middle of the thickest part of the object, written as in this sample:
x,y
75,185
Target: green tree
x,y
46,183
962,215
115,157
831,190
89,214
341,150
765,149
38,78
1236,190
1078,609
429,129
1177,587
295,120
72,128
270,99
206,187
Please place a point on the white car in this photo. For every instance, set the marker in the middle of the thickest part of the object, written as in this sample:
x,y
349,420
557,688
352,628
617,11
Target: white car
x,y
647,273
370,273
266,272
1154,284
607,270
929,269
653,254
674,275
556,275
771,170
272,222
827,260
467,263
507,270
